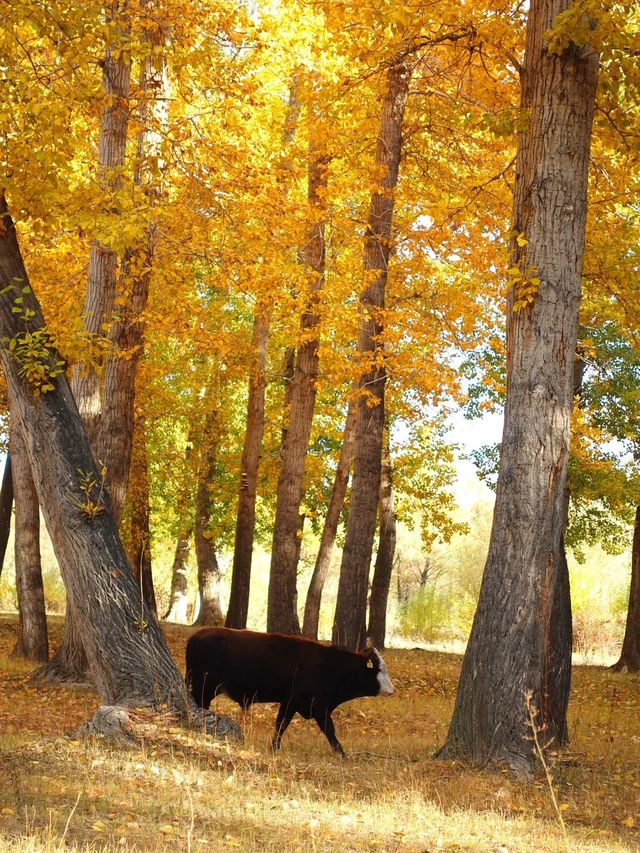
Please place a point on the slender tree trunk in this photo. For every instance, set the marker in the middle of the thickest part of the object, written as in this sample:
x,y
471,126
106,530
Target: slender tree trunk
x,y
509,666
282,614
140,547
6,505
630,654
246,518
330,529
103,260
178,598
386,552
32,640
127,334
209,574
351,605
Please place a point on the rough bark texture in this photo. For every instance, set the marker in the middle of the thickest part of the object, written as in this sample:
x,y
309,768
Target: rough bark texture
x,y
282,613
140,540
630,655
351,604
510,655
330,529
209,575
6,505
246,518
103,261
127,333
129,659
32,640
383,568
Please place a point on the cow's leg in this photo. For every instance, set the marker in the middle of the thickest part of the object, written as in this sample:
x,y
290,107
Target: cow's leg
x,y
195,680
285,714
322,716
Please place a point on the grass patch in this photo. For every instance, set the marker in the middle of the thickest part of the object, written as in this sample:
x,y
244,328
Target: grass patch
x,y
180,791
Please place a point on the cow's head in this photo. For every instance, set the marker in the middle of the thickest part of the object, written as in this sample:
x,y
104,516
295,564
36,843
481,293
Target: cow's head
x,y
376,663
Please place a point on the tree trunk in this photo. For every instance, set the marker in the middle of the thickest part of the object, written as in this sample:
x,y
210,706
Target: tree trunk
x,y
179,599
103,261
128,656
32,640
127,333
330,529
246,518
282,613
209,574
509,666
6,505
140,547
386,552
351,605
630,655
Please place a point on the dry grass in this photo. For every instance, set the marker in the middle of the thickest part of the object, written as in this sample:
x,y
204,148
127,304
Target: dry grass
x,y
179,791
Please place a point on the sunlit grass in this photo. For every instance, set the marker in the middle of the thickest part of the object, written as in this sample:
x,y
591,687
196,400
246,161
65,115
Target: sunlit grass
x,y
181,791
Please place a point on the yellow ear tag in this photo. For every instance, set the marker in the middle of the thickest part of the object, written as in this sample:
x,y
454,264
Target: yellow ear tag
x,y
369,664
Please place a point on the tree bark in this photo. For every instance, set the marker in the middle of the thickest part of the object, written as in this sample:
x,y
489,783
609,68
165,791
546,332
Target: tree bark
x,y
32,640
351,605
630,655
140,548
246,517
282,612
330,529
103,260
209,574
128,656
381,582
178,598
6,505
509,665
127,333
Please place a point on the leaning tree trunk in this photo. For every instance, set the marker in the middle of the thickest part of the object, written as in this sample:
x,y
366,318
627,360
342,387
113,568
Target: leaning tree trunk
x,y
32,640
127,333
381,582
246,517
351,605
330,529
70,661
6,505
282,612
509,670
140,540
209,575
630,655
127,654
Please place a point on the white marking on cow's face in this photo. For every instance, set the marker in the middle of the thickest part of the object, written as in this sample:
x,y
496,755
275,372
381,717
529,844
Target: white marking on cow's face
x,y
386,685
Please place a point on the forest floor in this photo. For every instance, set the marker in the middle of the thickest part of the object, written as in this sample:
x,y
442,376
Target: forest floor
x,y
181,791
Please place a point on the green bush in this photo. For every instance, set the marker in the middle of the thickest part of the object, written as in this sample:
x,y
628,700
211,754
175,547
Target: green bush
x,y
425,615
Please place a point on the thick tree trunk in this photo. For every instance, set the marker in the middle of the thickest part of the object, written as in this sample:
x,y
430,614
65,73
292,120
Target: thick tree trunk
x,y
509,665
630,655
179,598
140,546
282,614
6,505
103,260
246,518
209,575
351,605
127,333
32,640
330,529
129,659
381,582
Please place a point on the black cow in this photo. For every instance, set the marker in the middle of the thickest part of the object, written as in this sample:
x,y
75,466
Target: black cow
x,y
304,676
